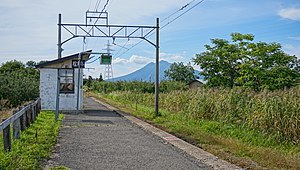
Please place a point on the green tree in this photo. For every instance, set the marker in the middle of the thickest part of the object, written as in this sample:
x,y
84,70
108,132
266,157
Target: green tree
x,y
89,81
12,66
242,62
100,77
17,83
31,64
180,72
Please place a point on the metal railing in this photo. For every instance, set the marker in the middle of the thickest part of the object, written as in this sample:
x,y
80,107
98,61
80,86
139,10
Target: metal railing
x,y
20,120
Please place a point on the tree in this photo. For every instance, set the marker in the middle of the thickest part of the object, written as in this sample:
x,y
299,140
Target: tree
x,y
100,77
180,72
241,62
89,81
31,64
17,83
11,66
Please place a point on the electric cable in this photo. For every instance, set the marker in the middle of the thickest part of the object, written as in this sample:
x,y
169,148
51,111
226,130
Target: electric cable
x,y
182,8
90,5
182,14
93,60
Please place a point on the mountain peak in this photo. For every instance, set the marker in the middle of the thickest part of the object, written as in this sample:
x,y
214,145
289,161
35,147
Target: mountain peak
x,y
147,73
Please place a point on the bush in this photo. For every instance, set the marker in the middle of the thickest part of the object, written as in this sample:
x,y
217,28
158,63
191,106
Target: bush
x,y
17,84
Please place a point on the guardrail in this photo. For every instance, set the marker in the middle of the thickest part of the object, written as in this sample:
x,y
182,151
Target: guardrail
x,y
20,120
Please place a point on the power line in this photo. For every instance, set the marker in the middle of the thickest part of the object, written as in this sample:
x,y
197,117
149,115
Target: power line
x,y
107,1
93,60
182,13
97,5
90,4
182,8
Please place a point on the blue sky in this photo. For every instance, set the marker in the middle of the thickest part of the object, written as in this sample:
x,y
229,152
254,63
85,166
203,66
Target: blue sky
x,y
28,29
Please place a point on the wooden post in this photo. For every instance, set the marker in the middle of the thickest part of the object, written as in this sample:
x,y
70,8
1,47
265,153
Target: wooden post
x,y
29,112
33,112
6,138
38,107
16,127
22,120
27,119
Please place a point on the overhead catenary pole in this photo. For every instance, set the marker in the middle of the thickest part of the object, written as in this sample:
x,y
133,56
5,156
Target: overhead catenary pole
x,y
78,83
115,31
58,78
157,69
59,49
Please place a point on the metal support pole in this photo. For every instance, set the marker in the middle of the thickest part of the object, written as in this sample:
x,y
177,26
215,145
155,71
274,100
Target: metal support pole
x,y
58,78
57,95
157,68
78,85
59,49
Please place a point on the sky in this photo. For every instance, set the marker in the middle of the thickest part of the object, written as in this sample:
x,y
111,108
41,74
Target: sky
x,y
28,29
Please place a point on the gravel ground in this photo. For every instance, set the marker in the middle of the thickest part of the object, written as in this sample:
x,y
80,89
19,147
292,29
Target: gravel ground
x,y
102,139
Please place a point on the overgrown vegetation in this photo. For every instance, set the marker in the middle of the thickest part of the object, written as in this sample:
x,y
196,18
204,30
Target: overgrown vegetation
x,y
18,84
34,146
238,125
274,113
137,86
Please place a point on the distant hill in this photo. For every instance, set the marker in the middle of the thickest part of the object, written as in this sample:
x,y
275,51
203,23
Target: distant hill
x,y
147,73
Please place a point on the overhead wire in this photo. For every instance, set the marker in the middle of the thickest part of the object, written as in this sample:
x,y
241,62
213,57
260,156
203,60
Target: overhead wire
x,y
93,60
90,5
97,5
181,9
182,13
105,5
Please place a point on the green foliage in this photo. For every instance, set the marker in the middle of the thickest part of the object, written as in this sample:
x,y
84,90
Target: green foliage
x,y
242,62
180,72
272,113
136,86
31,64
17,84
169,86
108,87
30,150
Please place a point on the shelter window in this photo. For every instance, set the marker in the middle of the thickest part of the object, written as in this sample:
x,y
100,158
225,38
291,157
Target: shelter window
x,y
66,80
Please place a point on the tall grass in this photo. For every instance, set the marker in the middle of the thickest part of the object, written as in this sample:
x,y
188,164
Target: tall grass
x,y
275,113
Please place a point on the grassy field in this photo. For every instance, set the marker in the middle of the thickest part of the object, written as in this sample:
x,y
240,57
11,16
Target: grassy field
x,y
34,146
254,132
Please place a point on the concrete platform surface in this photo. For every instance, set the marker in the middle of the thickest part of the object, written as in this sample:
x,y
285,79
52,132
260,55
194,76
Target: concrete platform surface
x,y
104,138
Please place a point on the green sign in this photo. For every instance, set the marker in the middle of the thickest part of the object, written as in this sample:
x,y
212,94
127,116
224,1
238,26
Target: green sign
x,y
106,59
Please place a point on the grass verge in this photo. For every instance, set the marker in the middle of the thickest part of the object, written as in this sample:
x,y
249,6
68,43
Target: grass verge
x,y
35,144
239,145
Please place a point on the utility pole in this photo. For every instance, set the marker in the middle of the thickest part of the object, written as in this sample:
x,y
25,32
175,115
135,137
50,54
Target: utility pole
x,y
157,69
58,78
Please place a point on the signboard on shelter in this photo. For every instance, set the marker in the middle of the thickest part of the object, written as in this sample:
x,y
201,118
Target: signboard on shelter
x,y
106,59
75,64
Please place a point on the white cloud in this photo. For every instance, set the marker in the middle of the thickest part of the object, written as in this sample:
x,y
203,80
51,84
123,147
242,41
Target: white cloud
x,y
294,38
292,50
172,57
290,13
139,59
134,59
119,60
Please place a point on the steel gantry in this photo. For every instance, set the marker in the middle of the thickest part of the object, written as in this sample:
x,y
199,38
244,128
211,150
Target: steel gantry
x,y
112,31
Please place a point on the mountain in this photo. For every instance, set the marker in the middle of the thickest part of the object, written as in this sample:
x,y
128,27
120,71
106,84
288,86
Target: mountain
x,y
147,73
